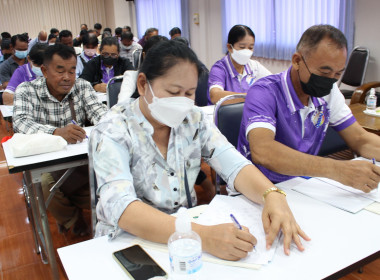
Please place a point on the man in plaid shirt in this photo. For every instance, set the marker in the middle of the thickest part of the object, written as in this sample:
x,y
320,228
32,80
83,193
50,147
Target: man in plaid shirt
x,y
49,105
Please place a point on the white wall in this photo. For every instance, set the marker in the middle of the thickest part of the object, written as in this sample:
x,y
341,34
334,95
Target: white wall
x,y
120,13
367,21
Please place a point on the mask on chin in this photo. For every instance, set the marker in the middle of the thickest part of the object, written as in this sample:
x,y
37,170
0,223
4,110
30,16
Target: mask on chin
x,y
317,86
170,111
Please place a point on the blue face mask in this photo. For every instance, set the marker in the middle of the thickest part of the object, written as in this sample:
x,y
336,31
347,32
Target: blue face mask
x,y
37,70
21,54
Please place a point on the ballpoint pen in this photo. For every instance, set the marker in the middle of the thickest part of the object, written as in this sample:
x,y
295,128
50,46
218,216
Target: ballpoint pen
x,y
238,226
74,122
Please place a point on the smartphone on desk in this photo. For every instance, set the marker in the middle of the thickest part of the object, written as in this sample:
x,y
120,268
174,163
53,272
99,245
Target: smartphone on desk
x,y
138,264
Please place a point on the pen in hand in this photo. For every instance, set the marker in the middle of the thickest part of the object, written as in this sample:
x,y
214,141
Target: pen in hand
x,y
238,226
74,122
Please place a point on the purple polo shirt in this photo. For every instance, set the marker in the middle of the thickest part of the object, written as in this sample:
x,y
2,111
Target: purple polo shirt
x,y
22,74
107,75
224,76
272,103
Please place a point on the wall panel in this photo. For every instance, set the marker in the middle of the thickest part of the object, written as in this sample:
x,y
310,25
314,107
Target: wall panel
x,y
18,16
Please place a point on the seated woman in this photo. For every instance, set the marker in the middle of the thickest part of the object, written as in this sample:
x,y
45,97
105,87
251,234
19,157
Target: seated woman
x,y
99,70
25,73
147,153
236,72
90,48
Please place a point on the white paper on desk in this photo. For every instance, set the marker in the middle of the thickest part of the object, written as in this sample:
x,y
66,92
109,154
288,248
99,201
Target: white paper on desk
x,y
248,214
333,195
373,195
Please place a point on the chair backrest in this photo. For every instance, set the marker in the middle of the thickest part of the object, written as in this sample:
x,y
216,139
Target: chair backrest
x,y
356,67
113,90
228,117
136,58
93,195
201,91
332,143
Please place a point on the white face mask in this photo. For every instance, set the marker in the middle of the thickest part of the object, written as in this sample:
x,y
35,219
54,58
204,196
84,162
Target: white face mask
x,y
170,111
241,56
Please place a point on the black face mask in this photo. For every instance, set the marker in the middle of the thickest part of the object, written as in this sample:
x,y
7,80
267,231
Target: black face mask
x,y
109,61
317,86
7,55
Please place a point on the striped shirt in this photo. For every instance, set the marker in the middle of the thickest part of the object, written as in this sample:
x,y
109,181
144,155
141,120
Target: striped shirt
x,y
37,111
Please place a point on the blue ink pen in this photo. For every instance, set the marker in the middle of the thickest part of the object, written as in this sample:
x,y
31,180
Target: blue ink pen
x,y
238,226
374,162
74,122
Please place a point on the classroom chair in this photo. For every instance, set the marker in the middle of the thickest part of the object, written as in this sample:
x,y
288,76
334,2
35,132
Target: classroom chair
x,y
201,91
113,90
136,54
93,195
332,143
228,118
361,92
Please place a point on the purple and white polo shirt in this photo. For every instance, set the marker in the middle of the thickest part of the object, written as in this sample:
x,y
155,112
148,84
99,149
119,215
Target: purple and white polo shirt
x,y
22,74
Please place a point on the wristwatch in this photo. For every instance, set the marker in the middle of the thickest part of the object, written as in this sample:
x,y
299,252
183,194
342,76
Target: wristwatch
x,y
273,189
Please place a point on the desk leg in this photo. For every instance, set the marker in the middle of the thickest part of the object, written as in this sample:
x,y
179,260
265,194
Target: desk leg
x,y
46,230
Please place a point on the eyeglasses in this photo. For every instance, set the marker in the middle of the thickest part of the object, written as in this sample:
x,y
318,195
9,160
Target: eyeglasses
x,y
107,55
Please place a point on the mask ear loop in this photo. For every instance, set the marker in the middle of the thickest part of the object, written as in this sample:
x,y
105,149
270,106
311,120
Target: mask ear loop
x,y
305,64
151,90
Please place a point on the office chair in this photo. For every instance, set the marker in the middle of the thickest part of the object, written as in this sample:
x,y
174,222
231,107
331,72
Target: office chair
x,y
201,91
355,70
228,119
113,90
136,54
361,92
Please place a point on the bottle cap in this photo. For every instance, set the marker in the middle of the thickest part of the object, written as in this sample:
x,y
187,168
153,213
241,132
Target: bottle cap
x,y
183,222
372,91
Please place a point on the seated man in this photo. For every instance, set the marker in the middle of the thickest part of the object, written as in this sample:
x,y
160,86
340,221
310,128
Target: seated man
x,y
6,50
66,38
99,70
49,105
19,44
286,116
90,48
150,32
26,73
41,38
127,46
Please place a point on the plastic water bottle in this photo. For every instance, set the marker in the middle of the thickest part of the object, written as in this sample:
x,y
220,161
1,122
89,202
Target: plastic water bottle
x,y
185,249
371,101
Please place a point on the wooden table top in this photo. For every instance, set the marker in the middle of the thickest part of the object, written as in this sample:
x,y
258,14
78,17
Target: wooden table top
x,y
370,123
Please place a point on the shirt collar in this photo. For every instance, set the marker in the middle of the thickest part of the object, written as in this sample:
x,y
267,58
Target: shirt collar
x,y
294,103
44,90
144,123
30,71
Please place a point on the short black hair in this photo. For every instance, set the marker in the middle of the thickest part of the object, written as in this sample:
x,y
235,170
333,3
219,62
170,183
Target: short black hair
x,y
90,40
65,33
128,28
106,34
6,35
164,55
150,30
315,34
110,41
37,53
83,32
21,37
118,30
175,30
65,52
152,41
127,36
6,44
52,36
97,26
107,29
84,25
54,30
238,32
182,40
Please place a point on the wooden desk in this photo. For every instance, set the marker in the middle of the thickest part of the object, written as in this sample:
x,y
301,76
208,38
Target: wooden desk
x,y
369,123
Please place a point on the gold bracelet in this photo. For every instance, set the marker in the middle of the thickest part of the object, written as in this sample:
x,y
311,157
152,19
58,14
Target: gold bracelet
x,y
273,189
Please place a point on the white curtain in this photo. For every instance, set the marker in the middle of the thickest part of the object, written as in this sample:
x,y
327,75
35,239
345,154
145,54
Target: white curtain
x,y
279,24
163,15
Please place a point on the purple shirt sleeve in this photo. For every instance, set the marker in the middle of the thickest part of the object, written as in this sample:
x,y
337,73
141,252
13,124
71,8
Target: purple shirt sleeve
x,y
17,78
260,106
